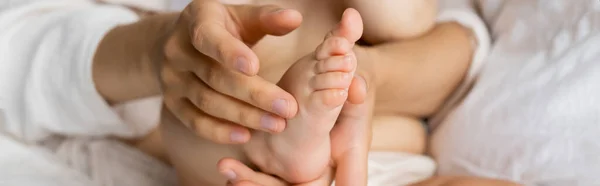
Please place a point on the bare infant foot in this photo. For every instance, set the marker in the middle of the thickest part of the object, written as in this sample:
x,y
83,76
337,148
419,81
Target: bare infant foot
x,y
319,82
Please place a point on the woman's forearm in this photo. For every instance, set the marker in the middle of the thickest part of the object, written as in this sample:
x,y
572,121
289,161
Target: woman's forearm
x,y
123,66
416,76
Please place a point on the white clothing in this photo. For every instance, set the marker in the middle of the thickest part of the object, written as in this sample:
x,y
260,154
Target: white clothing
x,y
395,169
46,89
46,50
533,116
80,162
27,165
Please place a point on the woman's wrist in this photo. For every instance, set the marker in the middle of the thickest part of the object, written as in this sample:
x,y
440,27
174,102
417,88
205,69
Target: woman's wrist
x,y
124,64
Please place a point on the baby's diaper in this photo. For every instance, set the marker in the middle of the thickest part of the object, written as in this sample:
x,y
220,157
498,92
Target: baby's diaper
x,y
398,169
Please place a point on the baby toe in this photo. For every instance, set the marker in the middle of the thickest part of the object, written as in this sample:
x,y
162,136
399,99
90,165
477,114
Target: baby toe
x,y
333,46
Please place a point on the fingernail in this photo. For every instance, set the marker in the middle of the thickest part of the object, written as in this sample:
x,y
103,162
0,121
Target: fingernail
x,y
269,122
242,65
237,136
229,174
280,107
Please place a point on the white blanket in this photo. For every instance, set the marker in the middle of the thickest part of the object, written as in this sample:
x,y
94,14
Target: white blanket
x,y
534,115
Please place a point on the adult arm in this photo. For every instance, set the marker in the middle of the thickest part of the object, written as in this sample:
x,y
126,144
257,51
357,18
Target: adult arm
x,y
124,65
422,73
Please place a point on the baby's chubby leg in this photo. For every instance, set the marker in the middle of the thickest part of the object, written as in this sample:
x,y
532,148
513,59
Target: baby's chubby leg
x,y
388,20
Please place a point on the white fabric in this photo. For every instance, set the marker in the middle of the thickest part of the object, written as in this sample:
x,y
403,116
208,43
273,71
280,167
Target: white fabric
x,y
398,169
112,163
46,50
178,4
26,165
463,12
79,162
534,114
154,5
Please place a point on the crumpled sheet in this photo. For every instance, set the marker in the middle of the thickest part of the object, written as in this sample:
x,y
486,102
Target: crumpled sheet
x,y
533,116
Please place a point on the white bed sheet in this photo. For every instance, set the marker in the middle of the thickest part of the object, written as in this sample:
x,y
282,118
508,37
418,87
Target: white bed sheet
x,y
534,114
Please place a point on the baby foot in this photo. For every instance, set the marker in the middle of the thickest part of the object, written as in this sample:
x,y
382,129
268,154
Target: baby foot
x,y
319,82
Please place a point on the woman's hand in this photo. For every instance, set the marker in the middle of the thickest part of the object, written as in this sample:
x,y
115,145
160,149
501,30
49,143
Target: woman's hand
x,y
209,74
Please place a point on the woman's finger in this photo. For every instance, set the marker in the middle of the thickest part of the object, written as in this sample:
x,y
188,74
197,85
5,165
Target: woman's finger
x,y
240,174
211,37
214,129
350,140
252,90
357,92
227,108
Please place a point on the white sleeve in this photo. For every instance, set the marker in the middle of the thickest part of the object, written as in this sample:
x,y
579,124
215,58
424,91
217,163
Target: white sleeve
x,y
464,13
46,84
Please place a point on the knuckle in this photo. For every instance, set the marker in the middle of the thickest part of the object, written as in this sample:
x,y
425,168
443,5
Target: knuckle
x,y
213,76
220,133
192,124
256,95
200,126
220,50
245,117
203,124
174,82
202,100
197,33
170,49
171,102
168,76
